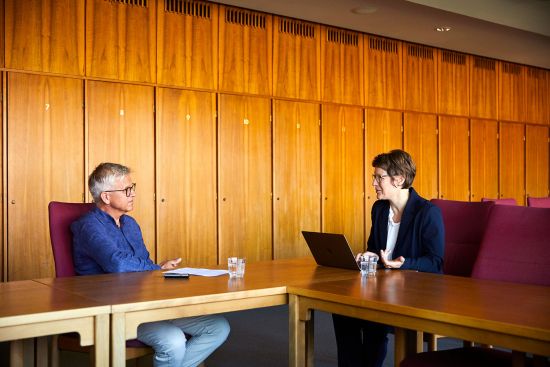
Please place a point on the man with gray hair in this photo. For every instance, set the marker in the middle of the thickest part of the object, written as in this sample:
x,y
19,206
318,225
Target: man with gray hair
x,y
107,240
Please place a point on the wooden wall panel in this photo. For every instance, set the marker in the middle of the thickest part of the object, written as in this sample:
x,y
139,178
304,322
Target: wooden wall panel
x,y
186,176
510,92
512,161
483,87
121,40
341,66
45,35
296,59
342,173
536,96
2,37
245,51
454,158
244,158
120,121
452,83
419,78
296,176
383,132
187,36
45,162
383,60
536,161
483,159
420,141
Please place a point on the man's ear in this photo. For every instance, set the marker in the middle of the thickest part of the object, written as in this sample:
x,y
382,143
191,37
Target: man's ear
x,y
104,196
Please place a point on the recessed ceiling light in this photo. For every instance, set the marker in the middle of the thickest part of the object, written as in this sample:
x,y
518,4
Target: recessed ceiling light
x,y
365,9
443,29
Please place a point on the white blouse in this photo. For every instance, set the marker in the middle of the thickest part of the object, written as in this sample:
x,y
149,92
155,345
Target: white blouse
x,y
393,230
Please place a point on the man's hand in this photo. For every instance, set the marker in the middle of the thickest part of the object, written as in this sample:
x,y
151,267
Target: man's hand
x,y
170,264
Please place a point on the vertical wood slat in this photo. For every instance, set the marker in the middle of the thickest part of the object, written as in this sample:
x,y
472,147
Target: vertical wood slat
x,y
512,161
510,91
419,78
483,159
296,59
244,176
383,74
2,42
296,176
483,80
454,170
186,176
536,96
341,66
45,36
245,51
120,120
45,163
187,47
452,83
536,161
342,173
121,41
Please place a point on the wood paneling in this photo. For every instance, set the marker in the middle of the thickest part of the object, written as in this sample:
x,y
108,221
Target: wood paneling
x,y
419,78
341,66
452,83
420,141
383,60
296,176
296,59
186,176
187,36
244,148
483,159
245,51
512,161
2,36
120,123
342,173
383,132
536,96
483,87
45,35
121,40
454,158
45,163
536,161
510,92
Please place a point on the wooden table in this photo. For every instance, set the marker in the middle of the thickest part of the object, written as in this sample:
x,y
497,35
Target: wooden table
x,y
146,296
29,309
515,316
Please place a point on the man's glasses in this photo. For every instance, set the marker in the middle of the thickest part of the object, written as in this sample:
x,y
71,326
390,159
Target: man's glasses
x,y
378,179
127,190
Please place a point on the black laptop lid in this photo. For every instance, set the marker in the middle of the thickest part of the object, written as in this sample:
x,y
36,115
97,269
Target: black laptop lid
x,y
331,249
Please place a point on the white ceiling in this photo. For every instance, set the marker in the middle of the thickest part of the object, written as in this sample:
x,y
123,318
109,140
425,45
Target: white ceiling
x,y
511,30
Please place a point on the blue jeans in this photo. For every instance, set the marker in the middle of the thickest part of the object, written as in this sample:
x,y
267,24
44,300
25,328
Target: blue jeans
x,y
172,349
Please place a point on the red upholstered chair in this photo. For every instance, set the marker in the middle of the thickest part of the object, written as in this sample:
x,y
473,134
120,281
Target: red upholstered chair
x,y
538,202
61,215
504,201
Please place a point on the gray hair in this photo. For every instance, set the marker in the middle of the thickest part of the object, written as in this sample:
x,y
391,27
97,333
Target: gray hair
x,y
103,178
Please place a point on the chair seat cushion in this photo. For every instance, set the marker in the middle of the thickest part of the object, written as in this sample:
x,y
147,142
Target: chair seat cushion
x,y
461,357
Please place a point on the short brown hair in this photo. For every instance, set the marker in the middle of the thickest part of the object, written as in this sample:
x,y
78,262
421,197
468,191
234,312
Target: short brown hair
x,y
397,163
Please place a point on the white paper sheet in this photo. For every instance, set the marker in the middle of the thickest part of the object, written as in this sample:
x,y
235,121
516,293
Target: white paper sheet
x,y
197,271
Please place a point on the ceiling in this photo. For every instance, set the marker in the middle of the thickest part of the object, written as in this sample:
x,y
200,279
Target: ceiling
x,y
511,30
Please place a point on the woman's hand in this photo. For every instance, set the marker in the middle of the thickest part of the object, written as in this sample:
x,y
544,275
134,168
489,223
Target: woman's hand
x,y
368,253
170,264
391,264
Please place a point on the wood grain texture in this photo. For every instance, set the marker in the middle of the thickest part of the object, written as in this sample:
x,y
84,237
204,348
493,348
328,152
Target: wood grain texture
x,y
483,87
512,161
296,59
188,46
419,78
420,141
45,35
483,159
186,176
2,33
452,83
383,72
296,176
244,158
536,95
121,41
454,158
511,79
536,161
45,163
342,173
120,121
245,51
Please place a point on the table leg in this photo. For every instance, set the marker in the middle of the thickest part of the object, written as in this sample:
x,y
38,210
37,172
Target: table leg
x,y
406,342
300,334
101,342
118,340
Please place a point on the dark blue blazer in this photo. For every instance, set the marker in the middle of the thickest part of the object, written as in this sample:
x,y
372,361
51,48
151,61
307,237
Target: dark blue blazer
x,y
421,236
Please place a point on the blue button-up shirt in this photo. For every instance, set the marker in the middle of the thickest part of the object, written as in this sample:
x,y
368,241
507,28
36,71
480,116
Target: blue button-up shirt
x,y
100,246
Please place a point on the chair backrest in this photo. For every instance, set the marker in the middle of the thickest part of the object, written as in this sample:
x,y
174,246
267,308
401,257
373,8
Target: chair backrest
x,y
465,224
516,246
538,202
61,215
503,201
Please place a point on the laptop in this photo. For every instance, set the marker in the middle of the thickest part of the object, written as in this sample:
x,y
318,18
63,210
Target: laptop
x,y
330,249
